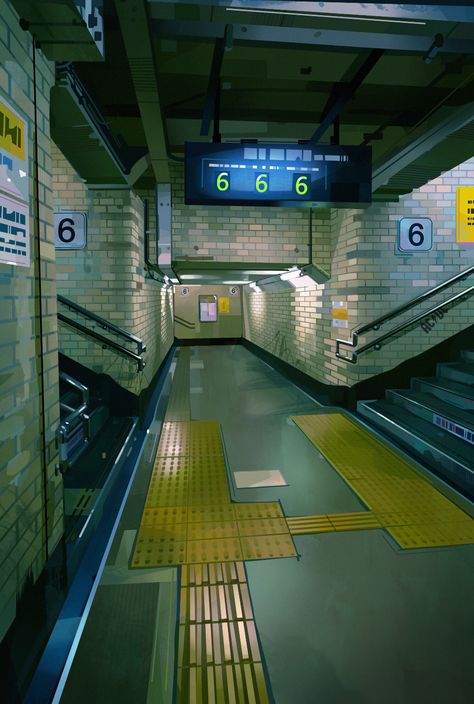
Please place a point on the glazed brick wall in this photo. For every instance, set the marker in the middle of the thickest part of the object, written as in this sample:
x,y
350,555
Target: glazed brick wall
x,y
22,490
358,248
108,278
236,234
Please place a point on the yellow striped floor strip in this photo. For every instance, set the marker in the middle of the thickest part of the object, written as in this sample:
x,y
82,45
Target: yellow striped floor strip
x,y
219,659
404,503
302,525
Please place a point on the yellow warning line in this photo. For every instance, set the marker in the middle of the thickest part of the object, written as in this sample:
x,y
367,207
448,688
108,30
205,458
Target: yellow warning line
x,y
400,500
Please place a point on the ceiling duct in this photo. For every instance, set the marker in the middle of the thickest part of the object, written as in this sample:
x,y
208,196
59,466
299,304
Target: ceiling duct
x,y
133,20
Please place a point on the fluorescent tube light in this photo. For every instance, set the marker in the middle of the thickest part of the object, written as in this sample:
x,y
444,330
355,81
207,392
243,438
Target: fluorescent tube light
x,y
323,15
291,274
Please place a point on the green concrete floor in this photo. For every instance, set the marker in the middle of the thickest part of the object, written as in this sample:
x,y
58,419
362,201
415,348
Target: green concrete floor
x,y
354,619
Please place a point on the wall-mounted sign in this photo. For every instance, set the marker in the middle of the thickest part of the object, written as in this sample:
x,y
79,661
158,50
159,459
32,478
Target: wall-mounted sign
x,y
465,215
224,304
70,230
415,234
277,174
340,314
14,234
14,182
233,290
185,291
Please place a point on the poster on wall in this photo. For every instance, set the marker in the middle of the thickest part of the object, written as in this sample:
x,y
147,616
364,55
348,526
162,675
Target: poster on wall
x,y
465,215
14,188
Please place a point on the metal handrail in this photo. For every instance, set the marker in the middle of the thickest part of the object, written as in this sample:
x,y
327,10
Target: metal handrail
x,y
84,391
104,323
375,324
104,341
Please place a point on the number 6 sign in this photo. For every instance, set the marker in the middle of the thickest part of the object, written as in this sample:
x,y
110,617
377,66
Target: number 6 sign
x,y
70,230
415,234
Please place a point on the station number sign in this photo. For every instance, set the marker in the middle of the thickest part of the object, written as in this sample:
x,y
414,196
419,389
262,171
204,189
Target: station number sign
x,y
415,235
70,230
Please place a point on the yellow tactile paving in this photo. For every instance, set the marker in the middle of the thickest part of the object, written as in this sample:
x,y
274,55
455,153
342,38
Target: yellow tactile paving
x,y
402,502
188,503
262,526
219,659
268,546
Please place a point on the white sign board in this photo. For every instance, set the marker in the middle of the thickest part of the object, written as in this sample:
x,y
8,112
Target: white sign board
x,y
415,234
14,232
70,230
14,188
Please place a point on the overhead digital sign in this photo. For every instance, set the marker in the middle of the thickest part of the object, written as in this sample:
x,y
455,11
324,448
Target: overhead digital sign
x,y
277,174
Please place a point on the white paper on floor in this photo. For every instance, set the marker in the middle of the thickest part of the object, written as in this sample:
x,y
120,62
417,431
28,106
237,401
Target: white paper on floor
x,y
254,480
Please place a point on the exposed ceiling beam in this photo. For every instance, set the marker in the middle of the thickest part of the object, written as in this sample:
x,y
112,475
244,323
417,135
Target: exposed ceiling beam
x,y
424,138
213,87
415,44
136,35
436,10
358,72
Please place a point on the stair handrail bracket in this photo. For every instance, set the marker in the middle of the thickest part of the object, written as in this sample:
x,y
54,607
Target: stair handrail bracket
x,y
106,342
395,312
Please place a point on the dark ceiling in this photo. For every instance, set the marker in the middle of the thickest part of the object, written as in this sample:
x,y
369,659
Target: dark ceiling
x,y
397,77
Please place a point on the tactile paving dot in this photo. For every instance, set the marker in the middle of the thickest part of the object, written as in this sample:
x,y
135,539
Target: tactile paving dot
x,y
157,498
419,536
199,514
220,550
262,526
258,510
260,548
460,532
212,530
171,531
156,552
165,516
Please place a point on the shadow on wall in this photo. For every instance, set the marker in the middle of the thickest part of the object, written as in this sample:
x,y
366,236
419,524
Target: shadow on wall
x,y
279,348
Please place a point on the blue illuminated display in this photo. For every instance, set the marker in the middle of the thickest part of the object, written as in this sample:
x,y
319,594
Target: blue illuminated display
x,y
276,174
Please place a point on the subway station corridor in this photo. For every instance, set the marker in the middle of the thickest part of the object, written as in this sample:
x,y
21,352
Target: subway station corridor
x,y
349,615
236,352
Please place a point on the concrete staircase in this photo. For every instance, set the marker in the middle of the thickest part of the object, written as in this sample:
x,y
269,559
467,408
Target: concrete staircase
x,y
433,420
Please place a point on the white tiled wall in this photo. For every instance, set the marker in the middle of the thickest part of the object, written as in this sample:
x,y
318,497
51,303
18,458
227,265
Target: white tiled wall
x,y
109,279
358,247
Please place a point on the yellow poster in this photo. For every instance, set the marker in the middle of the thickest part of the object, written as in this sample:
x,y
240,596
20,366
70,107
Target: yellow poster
x,y
12,133
465,215
224,304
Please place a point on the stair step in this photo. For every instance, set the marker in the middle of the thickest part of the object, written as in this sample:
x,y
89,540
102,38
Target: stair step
x,y
439,413
467,356
457,371
449,457
452,392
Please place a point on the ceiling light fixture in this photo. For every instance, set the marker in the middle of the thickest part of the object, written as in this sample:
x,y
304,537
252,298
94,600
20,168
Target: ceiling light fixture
x,y
323,15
